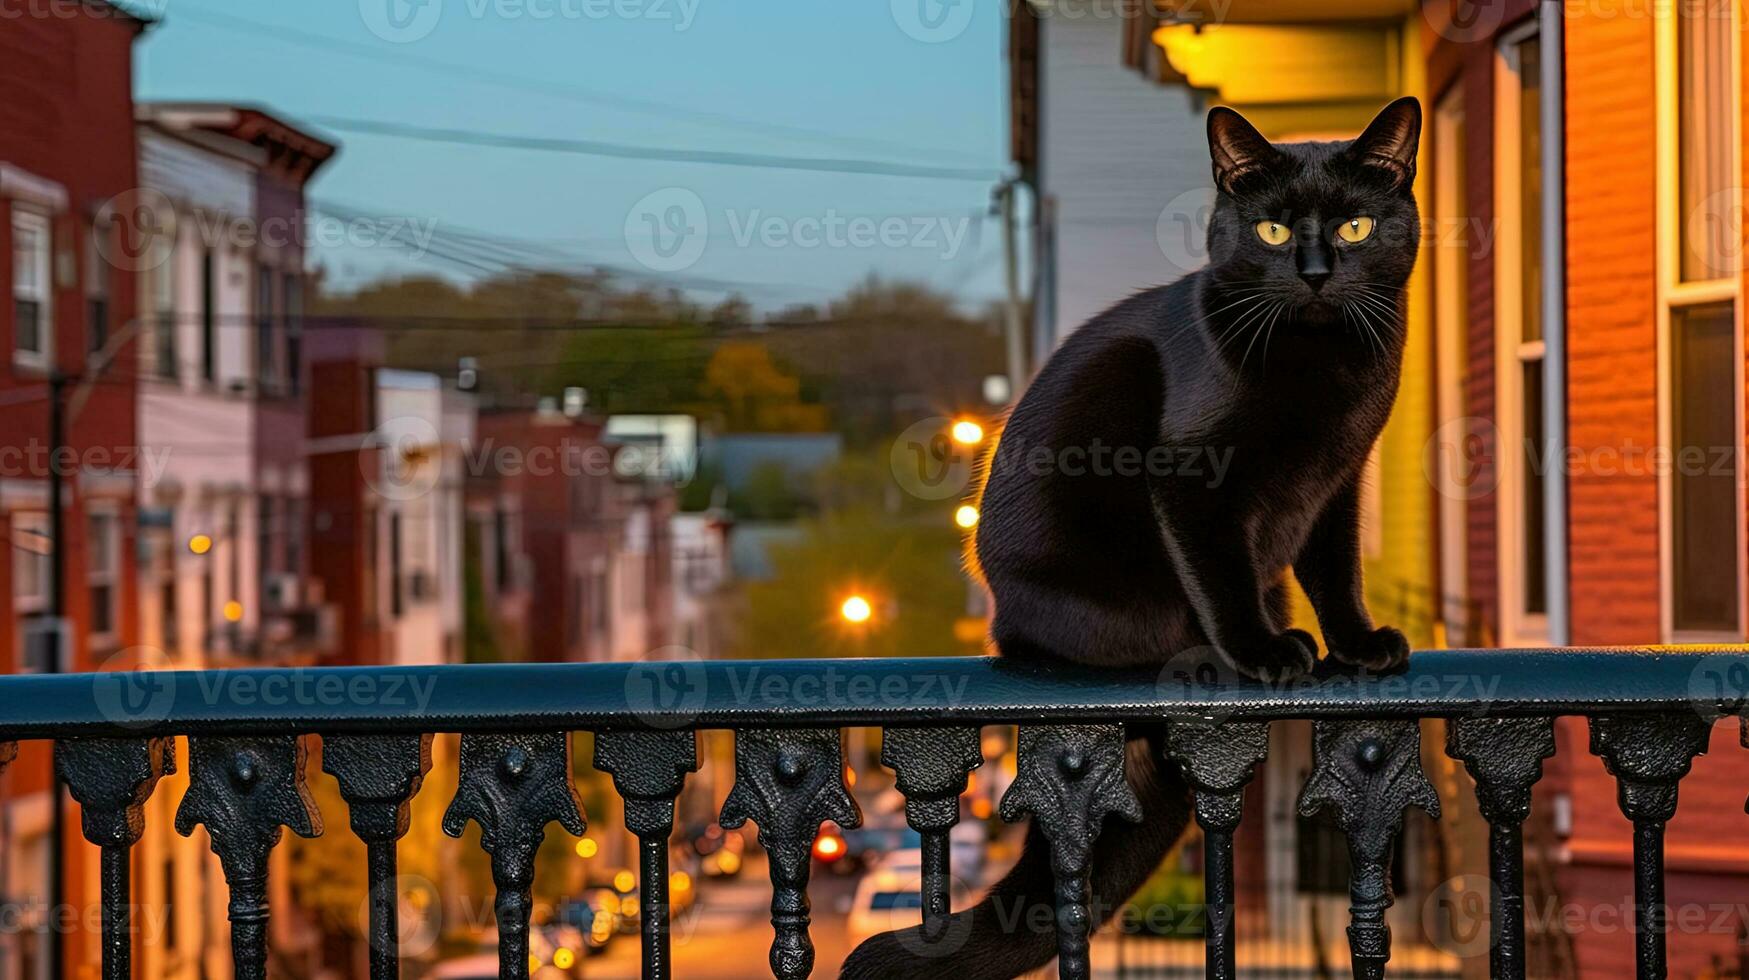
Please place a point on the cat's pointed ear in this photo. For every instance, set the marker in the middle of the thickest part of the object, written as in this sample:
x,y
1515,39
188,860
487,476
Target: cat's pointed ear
x,y
1236,147
1391,139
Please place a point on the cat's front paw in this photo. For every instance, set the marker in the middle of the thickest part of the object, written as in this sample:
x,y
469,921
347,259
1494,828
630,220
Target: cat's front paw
x,y
1385,648
1282,657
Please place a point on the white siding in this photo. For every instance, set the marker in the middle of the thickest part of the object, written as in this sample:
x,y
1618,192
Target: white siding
x,y
1114,150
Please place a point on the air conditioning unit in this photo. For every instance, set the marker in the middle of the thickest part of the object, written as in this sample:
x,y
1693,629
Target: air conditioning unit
x,y
282,592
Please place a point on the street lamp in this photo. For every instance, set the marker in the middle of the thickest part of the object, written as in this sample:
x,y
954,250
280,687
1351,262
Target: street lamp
x,y
856,609
967,432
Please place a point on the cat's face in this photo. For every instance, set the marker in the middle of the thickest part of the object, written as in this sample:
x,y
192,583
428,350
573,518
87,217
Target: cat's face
x,y
1327,231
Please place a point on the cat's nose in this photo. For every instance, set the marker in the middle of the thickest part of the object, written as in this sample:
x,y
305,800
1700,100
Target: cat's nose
x,y
1315,280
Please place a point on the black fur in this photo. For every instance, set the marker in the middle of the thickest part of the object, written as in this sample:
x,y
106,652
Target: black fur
x,y
1102,548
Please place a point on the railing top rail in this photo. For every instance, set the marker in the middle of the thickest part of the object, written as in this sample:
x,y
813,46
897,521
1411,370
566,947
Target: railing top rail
x,y
883,691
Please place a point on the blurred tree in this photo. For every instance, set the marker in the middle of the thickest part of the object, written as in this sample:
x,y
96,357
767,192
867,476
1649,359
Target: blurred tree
x,y
908,568
750,393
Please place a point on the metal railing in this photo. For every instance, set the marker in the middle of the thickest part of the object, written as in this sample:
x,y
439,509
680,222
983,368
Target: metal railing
x,y
1650,713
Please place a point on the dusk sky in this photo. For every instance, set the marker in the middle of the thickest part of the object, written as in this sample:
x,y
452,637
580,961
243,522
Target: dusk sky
x,y
863,81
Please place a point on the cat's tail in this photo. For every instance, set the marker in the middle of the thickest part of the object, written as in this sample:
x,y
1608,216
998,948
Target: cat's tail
x,y
1012,931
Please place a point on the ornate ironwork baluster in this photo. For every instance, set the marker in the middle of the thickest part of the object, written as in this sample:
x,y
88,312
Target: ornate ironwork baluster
x,y
513,786
244,790
1218,759
931,766
789,783
1648,755
649,770
1505,756
1369,772
378,776
1070,777
112,778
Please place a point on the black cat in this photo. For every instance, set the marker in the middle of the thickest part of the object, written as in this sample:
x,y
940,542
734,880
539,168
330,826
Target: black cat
x,y
1175,458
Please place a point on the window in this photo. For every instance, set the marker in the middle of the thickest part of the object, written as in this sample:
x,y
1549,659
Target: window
x,y
31,288
163,283
293,533
292,299
1701,384
102,572
1523,450
264,334
31,570
96,291
209,340
397,597
266,533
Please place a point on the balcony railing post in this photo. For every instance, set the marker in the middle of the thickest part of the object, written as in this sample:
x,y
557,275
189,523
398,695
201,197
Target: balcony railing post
x,y
513,786
378,776
112,778
1505,756
1369,773
1648,755
1218,760
649,770
930,766
244,790
1069,778
789,782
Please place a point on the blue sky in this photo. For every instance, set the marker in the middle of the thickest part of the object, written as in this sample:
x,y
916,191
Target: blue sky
x,y
736,77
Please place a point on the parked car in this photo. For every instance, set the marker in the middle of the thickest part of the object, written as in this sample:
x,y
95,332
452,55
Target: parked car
x,y
890,897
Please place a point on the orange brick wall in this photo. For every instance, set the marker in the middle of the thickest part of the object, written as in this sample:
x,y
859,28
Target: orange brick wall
x,y
1611,333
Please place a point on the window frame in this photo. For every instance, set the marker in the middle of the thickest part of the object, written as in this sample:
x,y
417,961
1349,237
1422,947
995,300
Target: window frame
x,y
34,522
1675,294
26,218
108,578
1451,324
1518,626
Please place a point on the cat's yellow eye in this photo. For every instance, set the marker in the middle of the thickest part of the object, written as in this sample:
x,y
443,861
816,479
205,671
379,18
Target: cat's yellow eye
x,y
1354,230
1273,232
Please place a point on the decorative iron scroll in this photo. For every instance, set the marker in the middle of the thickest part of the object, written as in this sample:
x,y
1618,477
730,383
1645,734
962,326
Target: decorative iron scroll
x,y
1218,759
649,769
1648,755
1505,757
931,766
379,776
1070,778
1369,773
789,782
112,778
244,790
513,786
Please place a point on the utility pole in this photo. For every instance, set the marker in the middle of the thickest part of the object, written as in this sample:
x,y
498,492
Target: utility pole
x,y
1014,329
59,635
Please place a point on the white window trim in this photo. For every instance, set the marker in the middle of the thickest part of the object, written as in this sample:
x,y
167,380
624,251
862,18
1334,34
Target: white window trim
x,y
1450,307
35,605
24,218
113,579
1517,627
1675,294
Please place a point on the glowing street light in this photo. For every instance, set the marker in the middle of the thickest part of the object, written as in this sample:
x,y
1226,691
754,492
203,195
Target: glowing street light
x,y
856,609
200,544
233,611
966,516
967,433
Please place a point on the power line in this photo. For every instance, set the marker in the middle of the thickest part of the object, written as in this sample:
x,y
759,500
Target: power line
x,y
523,83
625,151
